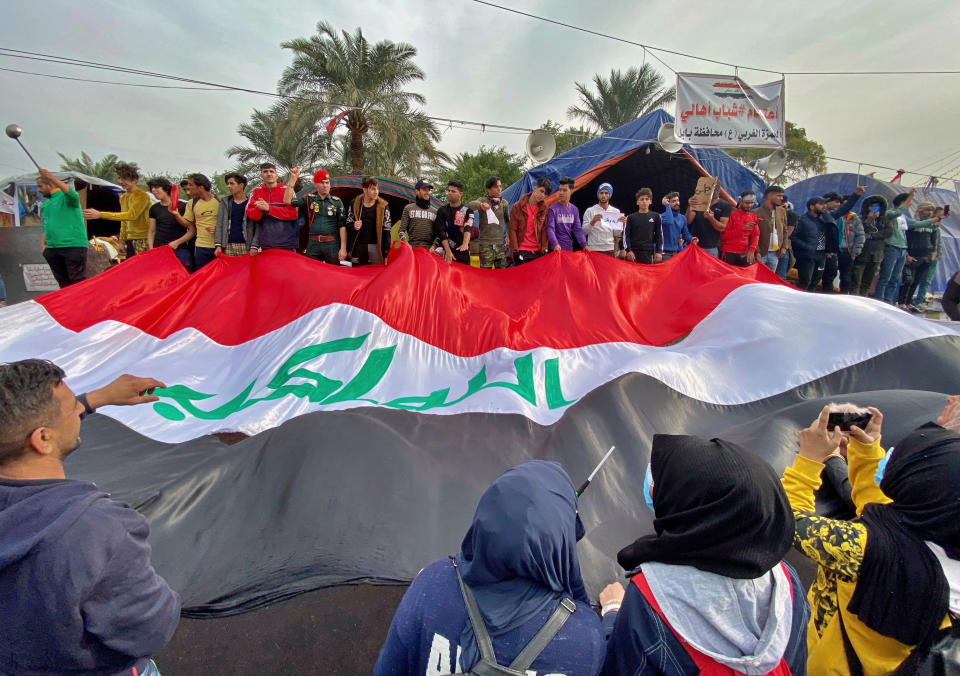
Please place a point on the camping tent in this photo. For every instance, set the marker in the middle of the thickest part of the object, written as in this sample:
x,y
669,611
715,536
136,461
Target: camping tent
x,y
104,196
628,158
845,183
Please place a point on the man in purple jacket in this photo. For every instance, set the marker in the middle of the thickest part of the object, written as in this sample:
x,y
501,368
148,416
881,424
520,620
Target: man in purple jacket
x,y
563,220
78,594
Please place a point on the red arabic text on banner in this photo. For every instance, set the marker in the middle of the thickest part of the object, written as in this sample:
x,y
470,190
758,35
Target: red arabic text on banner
x,y
718,110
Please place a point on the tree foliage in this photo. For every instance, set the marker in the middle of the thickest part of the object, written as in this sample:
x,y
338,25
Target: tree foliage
x,y
342,71
286,134
621,98
568,137
105,168
473,170
804,155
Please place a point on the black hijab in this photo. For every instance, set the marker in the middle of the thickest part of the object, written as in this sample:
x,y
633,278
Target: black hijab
x,y
900,578
718,508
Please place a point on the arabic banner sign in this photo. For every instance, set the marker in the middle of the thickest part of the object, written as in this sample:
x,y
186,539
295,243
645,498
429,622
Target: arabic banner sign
x,y
718,110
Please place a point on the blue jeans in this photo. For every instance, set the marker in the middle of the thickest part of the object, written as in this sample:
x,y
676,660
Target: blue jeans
x,y
891,272
783,266
770,260
203,255
715,251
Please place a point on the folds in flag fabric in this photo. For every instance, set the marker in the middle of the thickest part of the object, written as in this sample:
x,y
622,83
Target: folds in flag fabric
x,y
380,402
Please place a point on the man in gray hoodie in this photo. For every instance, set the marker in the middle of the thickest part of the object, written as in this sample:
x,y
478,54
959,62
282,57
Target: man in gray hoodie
x,y
77,591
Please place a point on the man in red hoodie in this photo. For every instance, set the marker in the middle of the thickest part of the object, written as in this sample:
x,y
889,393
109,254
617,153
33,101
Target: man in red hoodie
x,y
277,221
739,239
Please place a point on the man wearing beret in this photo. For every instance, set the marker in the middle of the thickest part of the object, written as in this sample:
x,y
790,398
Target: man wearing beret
x,y
326,215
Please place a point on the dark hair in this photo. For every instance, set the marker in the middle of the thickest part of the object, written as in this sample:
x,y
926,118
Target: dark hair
x,y
492,181
455,184
160,182
772,189
643,192
544,182
26,403
368,181
200,180
670,195
183,183
566,180
239,178
832,197
268,165
900,199
128,171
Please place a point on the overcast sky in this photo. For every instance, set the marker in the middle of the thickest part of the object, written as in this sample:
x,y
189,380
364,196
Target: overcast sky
x,y
481,64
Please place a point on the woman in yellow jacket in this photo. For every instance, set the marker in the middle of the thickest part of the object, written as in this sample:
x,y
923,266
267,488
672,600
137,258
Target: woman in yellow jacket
x,y
882,585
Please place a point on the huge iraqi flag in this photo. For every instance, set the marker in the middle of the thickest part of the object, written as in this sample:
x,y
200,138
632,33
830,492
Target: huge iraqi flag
x,y
380,402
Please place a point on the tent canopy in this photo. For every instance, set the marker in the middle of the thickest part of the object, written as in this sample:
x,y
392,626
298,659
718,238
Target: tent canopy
x,y
31,179
846,183
628,158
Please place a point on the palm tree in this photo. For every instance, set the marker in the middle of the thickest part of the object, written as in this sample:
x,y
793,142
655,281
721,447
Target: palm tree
x,y
402,149
622,98
104,168
332,71
287,134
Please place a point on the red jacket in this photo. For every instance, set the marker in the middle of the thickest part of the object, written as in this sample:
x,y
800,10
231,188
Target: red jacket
x,y
274,198
741,234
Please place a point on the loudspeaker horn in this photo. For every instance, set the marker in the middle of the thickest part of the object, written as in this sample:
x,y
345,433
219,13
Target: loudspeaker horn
x,y
667,139
541,145
773,165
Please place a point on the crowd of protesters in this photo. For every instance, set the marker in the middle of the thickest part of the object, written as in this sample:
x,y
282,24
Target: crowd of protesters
x,y
879,250
708,592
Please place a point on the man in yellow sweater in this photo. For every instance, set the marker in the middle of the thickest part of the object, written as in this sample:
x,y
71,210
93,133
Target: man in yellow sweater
x,y
134,214
875,599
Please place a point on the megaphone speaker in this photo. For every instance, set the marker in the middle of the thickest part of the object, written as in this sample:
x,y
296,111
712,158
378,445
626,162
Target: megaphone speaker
x,y
541,146
774,164
667,139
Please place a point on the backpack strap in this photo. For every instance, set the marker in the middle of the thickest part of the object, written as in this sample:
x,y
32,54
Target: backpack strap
x,y
530,652
476,619
543,637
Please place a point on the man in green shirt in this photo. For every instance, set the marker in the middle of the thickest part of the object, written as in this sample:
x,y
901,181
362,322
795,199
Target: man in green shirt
x,y
64,238
326,215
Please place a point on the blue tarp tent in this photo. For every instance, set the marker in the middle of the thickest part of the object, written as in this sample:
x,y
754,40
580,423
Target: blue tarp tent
x,y
845,183
628,158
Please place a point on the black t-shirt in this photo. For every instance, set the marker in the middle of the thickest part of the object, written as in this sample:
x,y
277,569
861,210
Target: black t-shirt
x,y
167,227
701,227
451,221
368,224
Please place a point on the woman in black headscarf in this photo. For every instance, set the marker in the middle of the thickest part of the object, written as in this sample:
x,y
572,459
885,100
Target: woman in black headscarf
x,y
888,580
709,589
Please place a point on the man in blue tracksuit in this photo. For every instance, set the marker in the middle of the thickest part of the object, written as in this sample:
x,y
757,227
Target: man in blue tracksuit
x,y
676,234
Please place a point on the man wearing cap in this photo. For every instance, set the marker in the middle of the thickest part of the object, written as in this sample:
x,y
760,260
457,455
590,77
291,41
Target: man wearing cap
x,y
738,241
921,247
418,220
277,221
836,209
773,247
603,223
326,215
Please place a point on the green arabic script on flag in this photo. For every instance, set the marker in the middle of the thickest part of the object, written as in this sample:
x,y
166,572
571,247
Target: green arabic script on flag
x,y
289,381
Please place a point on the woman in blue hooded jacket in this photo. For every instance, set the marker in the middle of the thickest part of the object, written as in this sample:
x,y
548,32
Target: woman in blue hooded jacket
x,y
519,559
